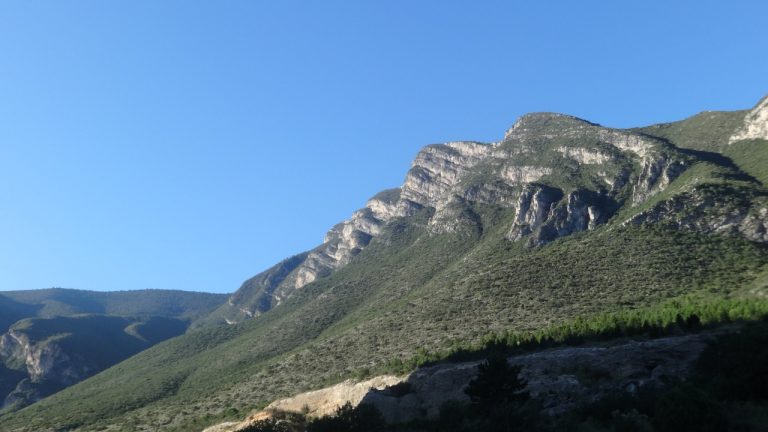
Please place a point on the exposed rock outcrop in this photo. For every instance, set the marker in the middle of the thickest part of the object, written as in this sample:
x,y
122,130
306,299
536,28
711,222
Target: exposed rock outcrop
x,y
755,124
561,378
43,363
325,401
556,174
318,403
705,211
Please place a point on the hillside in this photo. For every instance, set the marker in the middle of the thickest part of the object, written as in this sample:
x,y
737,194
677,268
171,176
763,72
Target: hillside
x,y
53,338
52,302
43,355
560,219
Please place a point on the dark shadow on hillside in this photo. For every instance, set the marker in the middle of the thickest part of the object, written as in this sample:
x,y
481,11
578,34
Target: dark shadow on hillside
x,y
713,158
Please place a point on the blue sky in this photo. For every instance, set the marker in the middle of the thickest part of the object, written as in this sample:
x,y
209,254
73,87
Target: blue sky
x,y
190,145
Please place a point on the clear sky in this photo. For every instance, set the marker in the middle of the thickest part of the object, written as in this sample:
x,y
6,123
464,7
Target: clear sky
x,y
190,145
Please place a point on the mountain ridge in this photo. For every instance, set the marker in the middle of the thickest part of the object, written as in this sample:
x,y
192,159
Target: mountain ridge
x,y
438,168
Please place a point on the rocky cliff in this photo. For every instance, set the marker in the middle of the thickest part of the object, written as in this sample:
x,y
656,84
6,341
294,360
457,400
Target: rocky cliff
x,y
46,366
558,174
755,125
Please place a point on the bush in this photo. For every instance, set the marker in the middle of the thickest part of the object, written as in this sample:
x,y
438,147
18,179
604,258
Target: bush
x,y
363,418
685,408
737,364
496,383
268,425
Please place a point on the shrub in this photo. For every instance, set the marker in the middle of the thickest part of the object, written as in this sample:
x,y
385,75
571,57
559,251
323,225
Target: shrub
x,y
496,383
363,418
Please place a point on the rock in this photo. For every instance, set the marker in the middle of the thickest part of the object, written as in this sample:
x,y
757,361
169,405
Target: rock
x,y
316,403
46,364
755,124
709,212
562,378
542,215
558,174
223,427
324,402
436,170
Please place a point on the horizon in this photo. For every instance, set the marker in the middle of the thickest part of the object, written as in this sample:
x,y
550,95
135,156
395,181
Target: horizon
x,y
189,147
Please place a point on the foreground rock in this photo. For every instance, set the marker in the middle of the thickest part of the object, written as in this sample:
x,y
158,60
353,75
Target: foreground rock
x,y
562,378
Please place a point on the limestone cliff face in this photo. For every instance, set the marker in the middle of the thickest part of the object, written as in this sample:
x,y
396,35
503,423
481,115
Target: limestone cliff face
x,y
755,124
554,174
43,363
342,242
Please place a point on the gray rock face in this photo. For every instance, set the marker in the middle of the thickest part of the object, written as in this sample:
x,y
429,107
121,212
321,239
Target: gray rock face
x,y
556,174
655,175
562,378
436,170
702,211
755,124
342,242
45,362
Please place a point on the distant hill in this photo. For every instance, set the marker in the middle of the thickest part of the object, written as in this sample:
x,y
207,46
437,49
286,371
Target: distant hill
x,y
52,302
12,311
56,337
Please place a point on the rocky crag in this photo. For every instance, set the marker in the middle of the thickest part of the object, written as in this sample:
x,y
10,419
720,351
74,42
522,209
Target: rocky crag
x,y
559,174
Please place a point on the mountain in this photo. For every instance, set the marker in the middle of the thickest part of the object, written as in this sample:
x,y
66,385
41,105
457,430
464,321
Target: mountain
x,y
12,311
561,174
560,219
53,338
52,302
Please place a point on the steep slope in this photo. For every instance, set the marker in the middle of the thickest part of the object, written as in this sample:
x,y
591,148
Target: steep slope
x,y
538,228
725,191
561,174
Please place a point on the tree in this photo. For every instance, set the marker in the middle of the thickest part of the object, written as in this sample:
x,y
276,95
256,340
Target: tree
x,y
496,383
363,418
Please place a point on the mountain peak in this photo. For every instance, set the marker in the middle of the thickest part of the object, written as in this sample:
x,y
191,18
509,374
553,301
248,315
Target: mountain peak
x,y
545,122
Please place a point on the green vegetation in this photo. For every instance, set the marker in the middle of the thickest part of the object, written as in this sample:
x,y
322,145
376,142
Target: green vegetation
x,y
752,157
726,391
12,311
362,418
79,333
436,292
72,348
53,302
683,314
